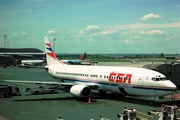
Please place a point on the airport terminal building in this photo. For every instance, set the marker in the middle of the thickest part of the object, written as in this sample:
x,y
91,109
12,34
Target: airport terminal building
x,y
12,56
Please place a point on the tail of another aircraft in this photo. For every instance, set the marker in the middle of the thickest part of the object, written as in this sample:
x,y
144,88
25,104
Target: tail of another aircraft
x,y
50,56
83,57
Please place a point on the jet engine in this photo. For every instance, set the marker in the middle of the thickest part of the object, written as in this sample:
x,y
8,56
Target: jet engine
x,y
80,91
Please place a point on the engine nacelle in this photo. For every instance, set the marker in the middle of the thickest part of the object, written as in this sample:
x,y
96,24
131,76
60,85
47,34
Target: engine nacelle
x,y
80,91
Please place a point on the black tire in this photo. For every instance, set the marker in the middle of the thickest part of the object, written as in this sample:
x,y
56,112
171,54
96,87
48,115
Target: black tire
x,y
102,93
52,91
124,94
152,103
36,92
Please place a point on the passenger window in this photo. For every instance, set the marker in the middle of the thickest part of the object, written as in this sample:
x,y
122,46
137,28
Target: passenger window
x,y
147,77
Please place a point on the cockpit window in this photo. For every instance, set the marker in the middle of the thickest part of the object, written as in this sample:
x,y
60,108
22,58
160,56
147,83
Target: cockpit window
x,y
154,79
163,78
158,78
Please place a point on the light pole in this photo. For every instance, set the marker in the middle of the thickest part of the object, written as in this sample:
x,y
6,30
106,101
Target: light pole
x,y
60,49
5,41
54,44
5,51
7,44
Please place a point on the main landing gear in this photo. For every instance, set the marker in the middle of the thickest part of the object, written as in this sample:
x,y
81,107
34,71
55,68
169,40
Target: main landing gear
x,y
153,100
102,93
152,103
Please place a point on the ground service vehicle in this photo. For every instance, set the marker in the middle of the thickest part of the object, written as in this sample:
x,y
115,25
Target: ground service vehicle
x,y
128,114
4,90
40,90
7,90
169,112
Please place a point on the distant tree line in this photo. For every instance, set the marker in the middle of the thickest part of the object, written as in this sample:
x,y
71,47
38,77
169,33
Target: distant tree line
x,y
112,56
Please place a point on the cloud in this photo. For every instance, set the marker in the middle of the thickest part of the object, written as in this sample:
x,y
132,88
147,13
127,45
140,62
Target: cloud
x,y
89,28
37,0
53,31
105,32
153,32
24,34
128,41
135,37
126,33
18,35
14,35
150,16
92,27
140,26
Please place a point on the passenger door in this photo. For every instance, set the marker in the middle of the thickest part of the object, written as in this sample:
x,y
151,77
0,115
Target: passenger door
x,y
141,79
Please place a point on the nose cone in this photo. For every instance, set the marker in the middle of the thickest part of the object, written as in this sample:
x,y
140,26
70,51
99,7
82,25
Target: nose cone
x,y
168,87
171,85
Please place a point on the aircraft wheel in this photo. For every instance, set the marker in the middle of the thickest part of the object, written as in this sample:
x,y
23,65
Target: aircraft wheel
x,y
52,91
124,94
36,92
102,93
152,102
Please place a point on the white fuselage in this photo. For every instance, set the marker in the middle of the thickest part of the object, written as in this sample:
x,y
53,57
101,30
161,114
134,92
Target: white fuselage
x,y
132,81
32,62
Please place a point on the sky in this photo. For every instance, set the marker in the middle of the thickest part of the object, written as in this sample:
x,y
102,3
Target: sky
x,y
92,26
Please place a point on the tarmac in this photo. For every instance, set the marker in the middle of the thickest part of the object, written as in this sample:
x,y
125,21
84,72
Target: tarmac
x,y
62,104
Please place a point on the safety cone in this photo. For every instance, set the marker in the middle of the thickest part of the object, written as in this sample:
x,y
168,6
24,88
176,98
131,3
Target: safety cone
x,y
89,100
2,97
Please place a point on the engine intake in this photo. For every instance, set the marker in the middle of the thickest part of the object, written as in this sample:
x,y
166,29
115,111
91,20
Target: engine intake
x,y
80,91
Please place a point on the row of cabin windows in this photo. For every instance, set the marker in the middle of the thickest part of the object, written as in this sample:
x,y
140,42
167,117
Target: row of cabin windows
x,y
92,75
76,74
118,78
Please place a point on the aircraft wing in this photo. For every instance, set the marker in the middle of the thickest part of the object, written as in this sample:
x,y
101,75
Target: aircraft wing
x,y
91,85
30,66
37,82
65,84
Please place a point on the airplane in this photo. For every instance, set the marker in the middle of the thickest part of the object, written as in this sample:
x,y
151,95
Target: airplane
x,y
125,80
31,62
76,61
26,63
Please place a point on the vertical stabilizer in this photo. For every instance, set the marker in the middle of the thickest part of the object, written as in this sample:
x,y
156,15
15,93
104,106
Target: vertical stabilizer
x,y
50,56
83,57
